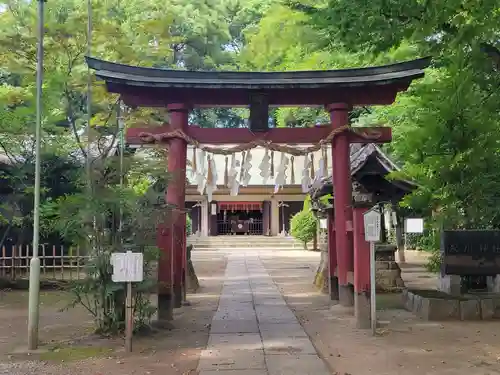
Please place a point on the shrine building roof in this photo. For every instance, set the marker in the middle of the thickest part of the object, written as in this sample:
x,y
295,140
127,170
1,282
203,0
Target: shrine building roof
x,y
143,86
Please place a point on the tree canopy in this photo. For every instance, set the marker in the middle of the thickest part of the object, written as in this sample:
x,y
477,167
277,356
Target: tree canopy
x,y
446,127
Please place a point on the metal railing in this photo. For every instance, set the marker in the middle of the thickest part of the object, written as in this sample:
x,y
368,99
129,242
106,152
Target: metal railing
x,y
255,227
56,262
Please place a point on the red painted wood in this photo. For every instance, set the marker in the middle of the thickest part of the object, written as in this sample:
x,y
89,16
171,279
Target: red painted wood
x,y
199,97
221,136
343,193
361,253
240,206
175,195
332,252
164,241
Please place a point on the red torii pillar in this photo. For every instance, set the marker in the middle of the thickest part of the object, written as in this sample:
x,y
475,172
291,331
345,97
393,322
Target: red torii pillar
x,y
361,268
172,241
341,163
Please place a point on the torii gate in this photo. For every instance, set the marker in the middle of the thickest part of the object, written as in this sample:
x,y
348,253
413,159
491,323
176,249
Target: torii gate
x,y
180,91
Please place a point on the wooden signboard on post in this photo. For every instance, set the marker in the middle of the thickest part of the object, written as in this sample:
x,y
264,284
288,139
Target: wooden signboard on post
x,y
128,268
373,233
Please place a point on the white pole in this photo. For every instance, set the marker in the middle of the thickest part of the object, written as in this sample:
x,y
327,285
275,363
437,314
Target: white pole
x,y
34,278
373,296
129,324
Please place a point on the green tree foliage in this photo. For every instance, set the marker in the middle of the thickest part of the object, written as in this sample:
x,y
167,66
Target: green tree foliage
x,y
303,226
122,218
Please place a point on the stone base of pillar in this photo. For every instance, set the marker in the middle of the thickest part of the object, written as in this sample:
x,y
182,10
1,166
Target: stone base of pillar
x,y
165,311
321,277
346,295
362,310
178,296
334,288
192,283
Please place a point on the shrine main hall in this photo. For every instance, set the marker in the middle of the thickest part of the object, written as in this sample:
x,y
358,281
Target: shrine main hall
x,y
261,209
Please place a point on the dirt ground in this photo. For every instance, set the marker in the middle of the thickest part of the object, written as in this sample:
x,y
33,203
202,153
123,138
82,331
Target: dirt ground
x,y
405,345
167,352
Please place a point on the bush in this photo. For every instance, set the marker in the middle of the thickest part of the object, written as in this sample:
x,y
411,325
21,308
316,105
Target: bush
x,y
303,226
189,226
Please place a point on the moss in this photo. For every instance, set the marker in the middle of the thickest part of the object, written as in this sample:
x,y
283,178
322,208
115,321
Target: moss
x,y
74,353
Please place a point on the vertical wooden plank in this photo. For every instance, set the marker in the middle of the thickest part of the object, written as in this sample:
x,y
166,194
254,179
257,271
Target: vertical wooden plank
x,y
54,257
13,264
61,248
78,262
43,261
4,256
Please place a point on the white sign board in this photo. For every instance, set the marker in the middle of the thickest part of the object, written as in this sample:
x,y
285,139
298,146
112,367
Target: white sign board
x,y
323,224
372,221
414,225
127,267
213,208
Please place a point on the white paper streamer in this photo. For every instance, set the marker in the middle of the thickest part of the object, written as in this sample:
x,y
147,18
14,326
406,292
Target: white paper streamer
x,y
306,177
265,167
281,173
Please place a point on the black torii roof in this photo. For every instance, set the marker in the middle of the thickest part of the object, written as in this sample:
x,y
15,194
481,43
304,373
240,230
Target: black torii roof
x,y
369,168
358,86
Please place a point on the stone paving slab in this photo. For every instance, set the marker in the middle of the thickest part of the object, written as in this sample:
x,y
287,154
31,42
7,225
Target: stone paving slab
x,y
296,365
235,315
243,341
232,360
234,326
288,345
269,302
235,298
233,372
254,332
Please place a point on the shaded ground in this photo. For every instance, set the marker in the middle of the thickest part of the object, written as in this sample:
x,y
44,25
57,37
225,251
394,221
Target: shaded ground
x,y
407,346
169,352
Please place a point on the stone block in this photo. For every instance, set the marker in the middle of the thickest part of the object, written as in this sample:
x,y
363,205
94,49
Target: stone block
x,y
449,284
470,310
417,304
496,308
408,299
493,284
487,309
436,308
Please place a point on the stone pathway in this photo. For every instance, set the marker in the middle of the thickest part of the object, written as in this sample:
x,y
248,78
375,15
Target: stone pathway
x,y
254,332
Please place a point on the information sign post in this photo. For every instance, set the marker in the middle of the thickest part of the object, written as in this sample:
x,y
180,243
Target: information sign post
x,y
372,222
128,268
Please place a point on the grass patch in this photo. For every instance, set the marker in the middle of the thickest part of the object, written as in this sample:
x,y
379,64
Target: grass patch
x,y
19,298
75,353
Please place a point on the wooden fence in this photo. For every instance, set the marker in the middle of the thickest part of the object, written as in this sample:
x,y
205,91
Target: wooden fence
x,y
56,262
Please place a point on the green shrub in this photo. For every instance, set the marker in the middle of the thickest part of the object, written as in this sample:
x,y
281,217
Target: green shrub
x,y
189,226
303,226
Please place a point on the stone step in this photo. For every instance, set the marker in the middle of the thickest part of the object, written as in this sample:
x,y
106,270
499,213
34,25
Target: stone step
x,y
246,244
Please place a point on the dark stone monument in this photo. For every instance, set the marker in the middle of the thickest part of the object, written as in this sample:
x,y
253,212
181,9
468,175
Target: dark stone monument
x,y
470,252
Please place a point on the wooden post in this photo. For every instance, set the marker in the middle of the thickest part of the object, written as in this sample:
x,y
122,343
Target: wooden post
x,y
332,259
399,229
361,270
176,193
129,316
342,202
172,236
